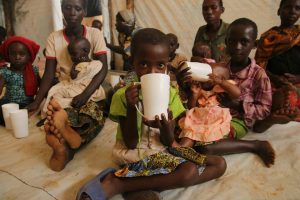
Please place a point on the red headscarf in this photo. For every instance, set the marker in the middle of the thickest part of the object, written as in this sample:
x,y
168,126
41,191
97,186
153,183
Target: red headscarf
x,y
30,79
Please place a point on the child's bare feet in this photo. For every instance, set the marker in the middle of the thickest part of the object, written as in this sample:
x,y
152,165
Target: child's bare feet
x,y
266,152
58,120
59,157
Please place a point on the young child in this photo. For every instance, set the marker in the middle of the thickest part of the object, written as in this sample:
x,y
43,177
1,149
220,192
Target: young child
x,y
255,100
175,58
202,53
144,146
206,121
126,27
83,71
21,78
97,24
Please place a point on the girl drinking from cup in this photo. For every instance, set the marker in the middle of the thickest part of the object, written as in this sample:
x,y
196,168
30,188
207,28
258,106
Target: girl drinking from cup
x,y
21,78
144,147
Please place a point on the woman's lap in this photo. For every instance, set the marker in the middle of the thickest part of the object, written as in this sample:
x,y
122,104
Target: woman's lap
x,y
87,121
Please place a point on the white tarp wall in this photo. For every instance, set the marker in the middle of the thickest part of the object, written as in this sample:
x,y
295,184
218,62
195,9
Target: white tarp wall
x,y
184,17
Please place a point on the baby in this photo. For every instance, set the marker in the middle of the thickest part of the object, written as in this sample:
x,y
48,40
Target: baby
x,y
83,71
202,53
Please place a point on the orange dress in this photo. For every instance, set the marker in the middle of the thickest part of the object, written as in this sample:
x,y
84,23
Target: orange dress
x,y
207,123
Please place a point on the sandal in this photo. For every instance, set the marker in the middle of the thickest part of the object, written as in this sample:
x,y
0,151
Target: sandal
x,y
93,187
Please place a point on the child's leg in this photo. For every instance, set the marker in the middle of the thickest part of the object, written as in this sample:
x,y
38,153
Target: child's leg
x,y
185,175
231,146
58,120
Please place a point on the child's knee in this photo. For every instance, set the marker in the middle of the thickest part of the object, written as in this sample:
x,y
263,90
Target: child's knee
x,y
218,163
190,172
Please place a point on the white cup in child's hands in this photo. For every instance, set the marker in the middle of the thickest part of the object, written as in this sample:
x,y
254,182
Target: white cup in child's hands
x,y
200,71
6,109
19,121
155,92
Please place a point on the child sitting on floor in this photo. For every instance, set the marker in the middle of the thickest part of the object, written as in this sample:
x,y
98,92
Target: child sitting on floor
x,y
83,71
255,100
21,78
206,121
143,146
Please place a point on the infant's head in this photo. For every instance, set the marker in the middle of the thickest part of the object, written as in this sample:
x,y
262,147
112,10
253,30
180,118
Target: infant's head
x,y
201,50
79,50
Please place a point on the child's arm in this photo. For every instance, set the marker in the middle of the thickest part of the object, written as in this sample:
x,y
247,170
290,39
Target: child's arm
x,y
74,72
233,91
117,49
2,82
128,124
194,95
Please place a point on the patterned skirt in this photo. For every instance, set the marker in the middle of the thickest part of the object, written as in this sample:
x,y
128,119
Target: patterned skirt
x,y
163,163
88,120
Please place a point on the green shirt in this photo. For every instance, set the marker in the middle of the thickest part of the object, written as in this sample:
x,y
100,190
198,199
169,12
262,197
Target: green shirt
x,y
118,108
217,44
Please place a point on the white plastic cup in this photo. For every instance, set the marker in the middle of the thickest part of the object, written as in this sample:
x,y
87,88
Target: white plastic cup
x,y
6,109
155,92
200,71
114,80
19,121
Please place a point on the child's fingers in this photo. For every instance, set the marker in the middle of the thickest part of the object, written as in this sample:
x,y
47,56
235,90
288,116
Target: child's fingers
x,y
157,122
170,114
180,66
164,119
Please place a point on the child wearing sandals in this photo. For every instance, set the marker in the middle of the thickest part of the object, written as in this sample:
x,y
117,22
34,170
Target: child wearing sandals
x,y
253,103
83,71
144,148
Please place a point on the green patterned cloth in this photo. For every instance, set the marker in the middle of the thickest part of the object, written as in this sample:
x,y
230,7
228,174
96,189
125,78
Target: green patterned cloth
x,y
14,82
216,44
88,120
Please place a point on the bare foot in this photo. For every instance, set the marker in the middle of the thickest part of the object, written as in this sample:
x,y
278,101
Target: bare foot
x,y
58,120
266,152
59,157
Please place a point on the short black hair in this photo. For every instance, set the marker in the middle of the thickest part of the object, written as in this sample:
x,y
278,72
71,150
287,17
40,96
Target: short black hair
x,y
221,3
281,3
84,4
3,32
83,39
148,36
172,36
246,22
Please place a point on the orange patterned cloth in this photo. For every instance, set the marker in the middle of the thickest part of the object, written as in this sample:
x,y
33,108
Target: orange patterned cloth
x,y
276,41
209,122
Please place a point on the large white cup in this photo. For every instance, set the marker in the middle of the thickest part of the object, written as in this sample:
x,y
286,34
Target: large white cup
x,y
114,79
155,92
6,108
200,71
19,121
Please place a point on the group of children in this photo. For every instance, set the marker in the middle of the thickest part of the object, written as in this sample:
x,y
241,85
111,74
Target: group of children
x,y
178,150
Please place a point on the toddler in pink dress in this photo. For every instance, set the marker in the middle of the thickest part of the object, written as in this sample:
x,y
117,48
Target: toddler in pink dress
x,y
207,121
